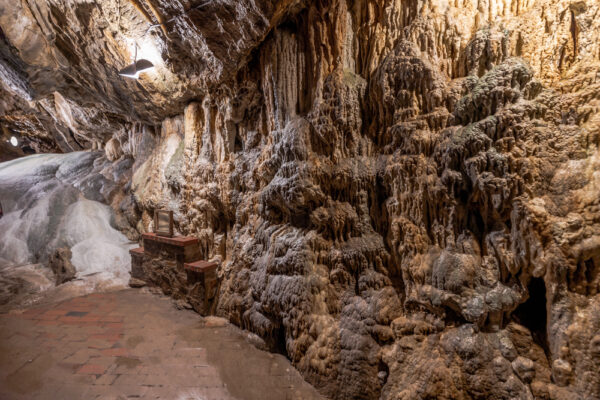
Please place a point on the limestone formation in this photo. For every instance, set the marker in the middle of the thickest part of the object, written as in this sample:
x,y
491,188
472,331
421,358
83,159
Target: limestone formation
x,y
60,263
404,195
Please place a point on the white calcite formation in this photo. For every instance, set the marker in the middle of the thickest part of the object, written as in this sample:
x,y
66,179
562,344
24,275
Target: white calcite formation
x,y
404,195
53,201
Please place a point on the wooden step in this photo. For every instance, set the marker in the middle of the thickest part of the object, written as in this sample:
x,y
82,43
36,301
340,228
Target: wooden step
x,y
137,251
201,266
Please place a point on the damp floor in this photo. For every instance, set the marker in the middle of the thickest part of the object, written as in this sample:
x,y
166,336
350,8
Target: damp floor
x,y
134,344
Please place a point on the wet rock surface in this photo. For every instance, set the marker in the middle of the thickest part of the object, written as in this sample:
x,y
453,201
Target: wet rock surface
x,y
404,195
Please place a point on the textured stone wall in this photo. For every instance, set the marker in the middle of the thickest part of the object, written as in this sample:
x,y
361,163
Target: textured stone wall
x,y
404,195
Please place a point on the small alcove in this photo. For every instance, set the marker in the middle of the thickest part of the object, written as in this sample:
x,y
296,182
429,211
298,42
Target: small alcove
x,y
533,313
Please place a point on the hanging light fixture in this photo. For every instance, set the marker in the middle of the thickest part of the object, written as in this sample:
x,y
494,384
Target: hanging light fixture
x,y
134,69
137,67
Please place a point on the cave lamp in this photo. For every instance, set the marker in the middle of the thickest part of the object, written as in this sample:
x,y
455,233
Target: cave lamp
x,y
134,69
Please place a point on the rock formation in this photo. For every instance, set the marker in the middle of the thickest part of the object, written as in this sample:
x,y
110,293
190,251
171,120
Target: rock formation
x,y
60,263
404,195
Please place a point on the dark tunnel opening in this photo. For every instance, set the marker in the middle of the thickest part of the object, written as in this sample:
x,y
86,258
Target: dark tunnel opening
x,y
533,313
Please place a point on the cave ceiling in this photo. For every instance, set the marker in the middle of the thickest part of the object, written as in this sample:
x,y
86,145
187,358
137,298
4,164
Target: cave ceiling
x,y
59,62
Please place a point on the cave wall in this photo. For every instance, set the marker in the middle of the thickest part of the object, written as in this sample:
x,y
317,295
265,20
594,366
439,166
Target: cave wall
x,y
404,194
389,183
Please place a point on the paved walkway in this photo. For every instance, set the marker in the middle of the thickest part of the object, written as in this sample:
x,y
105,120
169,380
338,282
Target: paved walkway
x,y
132,344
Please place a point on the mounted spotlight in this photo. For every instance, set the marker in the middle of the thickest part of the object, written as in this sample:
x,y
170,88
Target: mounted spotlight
x,y
134,70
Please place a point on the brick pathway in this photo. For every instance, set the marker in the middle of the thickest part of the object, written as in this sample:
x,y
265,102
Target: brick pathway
x,y
132,344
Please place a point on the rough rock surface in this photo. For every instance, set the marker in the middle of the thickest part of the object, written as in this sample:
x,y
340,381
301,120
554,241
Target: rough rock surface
x,y
405,195
60,263
136,283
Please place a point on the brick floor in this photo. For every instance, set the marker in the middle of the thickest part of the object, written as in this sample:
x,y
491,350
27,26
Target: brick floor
x,y
92,369
131,344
